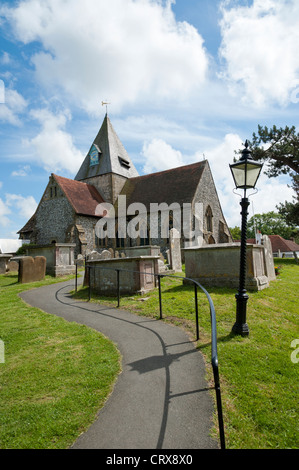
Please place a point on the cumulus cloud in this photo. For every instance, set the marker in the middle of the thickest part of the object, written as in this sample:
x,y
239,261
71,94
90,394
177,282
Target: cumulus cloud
x,y
121,50
12,104
53,147
260,50
4,212
159,156
24,206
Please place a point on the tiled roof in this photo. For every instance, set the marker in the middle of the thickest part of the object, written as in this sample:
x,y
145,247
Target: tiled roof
x,y
29,226
279,243
175,185
83,197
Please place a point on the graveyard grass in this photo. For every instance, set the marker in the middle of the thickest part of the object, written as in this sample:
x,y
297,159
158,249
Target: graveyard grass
x,y
259,381
56,374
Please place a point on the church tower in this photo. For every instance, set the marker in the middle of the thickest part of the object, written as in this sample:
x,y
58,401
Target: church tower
x,y
107,166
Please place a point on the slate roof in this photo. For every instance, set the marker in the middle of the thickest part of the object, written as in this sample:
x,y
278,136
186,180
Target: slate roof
x,y
113,157
175,185
83,197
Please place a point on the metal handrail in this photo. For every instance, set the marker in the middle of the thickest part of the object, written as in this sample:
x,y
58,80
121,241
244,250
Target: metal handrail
x,y
214,353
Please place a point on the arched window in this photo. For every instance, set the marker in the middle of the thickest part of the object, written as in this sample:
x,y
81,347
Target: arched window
x,y
209,219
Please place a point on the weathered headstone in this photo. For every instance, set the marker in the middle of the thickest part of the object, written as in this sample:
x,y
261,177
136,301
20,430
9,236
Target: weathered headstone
x,y
32,269
94,255
111,252
269,261
175,250
13,266
4,259
105,255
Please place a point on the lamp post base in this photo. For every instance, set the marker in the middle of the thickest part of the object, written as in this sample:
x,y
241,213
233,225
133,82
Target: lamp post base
x,y
241,327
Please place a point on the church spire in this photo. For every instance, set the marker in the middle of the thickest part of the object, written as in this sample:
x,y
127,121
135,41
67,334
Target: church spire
x,y
106,155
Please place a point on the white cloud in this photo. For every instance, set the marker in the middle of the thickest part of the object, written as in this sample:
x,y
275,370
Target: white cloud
x,y
121,50
4,211
22,171
11,106
159,156
53,147
260,49
23,206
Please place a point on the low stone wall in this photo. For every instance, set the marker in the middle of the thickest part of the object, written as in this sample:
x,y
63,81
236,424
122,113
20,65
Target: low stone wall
x,y
138,277
219,265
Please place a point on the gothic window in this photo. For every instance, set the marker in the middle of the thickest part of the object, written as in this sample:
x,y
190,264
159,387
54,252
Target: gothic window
x,y
53,191
209,219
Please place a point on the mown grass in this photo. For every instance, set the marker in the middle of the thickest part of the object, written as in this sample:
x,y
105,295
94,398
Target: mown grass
x,y
258,378
56,374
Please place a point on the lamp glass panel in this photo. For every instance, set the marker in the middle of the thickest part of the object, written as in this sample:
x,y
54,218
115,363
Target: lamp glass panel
x,y
253,172
239,175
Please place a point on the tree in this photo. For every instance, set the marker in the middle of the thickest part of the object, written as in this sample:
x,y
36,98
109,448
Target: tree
x,y
281,152
235,233
270,223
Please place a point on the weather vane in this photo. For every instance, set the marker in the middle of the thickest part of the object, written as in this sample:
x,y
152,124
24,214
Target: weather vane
x,y
105,103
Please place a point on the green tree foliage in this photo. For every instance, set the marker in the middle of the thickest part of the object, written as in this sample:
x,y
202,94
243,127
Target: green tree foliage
x,y
279,148
235,233
270,223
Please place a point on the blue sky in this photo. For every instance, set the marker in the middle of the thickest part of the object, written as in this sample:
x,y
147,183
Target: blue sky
x,y
187,80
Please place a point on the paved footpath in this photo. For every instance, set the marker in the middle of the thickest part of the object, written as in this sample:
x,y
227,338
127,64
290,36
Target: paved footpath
x,y
160,399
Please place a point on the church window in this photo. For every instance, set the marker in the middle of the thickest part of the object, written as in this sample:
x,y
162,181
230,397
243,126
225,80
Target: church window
x,y
124,162
94,155
209,219
53,191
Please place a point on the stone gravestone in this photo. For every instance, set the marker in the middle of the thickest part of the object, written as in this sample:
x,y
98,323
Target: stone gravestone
x,y
32,269
13,266
269,261
105,255
111,251
4,259
175,250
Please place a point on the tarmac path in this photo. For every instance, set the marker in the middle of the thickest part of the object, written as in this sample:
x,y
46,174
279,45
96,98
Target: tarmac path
x,y
160,399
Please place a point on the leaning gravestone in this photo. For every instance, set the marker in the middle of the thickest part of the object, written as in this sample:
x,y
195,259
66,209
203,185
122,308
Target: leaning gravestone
x,y
32,269
269,261
175,250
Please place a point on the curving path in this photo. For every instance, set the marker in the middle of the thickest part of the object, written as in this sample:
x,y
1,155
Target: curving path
x,y
161,399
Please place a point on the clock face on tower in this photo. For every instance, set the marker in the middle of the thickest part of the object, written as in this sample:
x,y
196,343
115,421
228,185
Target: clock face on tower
x,y
93,156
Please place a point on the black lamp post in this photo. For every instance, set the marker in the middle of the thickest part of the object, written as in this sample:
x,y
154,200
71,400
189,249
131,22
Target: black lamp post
x,y
245,173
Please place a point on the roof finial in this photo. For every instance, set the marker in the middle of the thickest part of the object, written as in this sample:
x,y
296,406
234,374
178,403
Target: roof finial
x,y
105,103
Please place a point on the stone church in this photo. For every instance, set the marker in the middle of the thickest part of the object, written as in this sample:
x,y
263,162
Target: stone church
x,y
68,211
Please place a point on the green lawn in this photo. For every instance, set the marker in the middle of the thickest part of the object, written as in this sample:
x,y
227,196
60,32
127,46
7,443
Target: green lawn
x,y
258,378
55,377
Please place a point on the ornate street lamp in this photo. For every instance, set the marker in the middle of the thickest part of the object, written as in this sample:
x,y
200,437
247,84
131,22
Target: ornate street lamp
x,y
245,173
